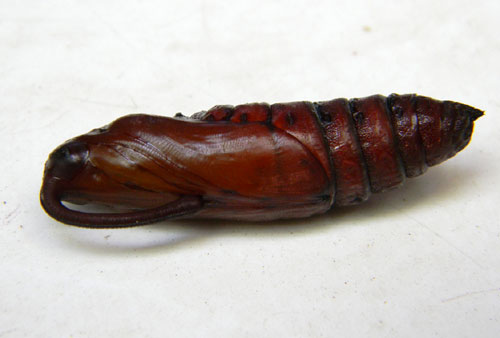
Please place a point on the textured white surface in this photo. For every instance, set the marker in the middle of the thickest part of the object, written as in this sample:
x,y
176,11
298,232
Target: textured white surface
x,y
417,262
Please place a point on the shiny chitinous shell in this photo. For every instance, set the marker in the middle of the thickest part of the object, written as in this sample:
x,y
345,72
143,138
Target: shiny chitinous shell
x,y
253,161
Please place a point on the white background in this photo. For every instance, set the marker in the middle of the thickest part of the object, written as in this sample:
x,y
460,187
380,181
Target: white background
x,y
420,261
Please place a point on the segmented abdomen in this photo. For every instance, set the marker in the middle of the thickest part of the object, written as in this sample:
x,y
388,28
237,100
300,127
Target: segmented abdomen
x,y
368,144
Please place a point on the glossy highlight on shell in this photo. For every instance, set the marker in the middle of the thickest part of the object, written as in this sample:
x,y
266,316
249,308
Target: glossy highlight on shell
x,y
254,162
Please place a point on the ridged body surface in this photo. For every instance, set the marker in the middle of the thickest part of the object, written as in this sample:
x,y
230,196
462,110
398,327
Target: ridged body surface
x,y
255,161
